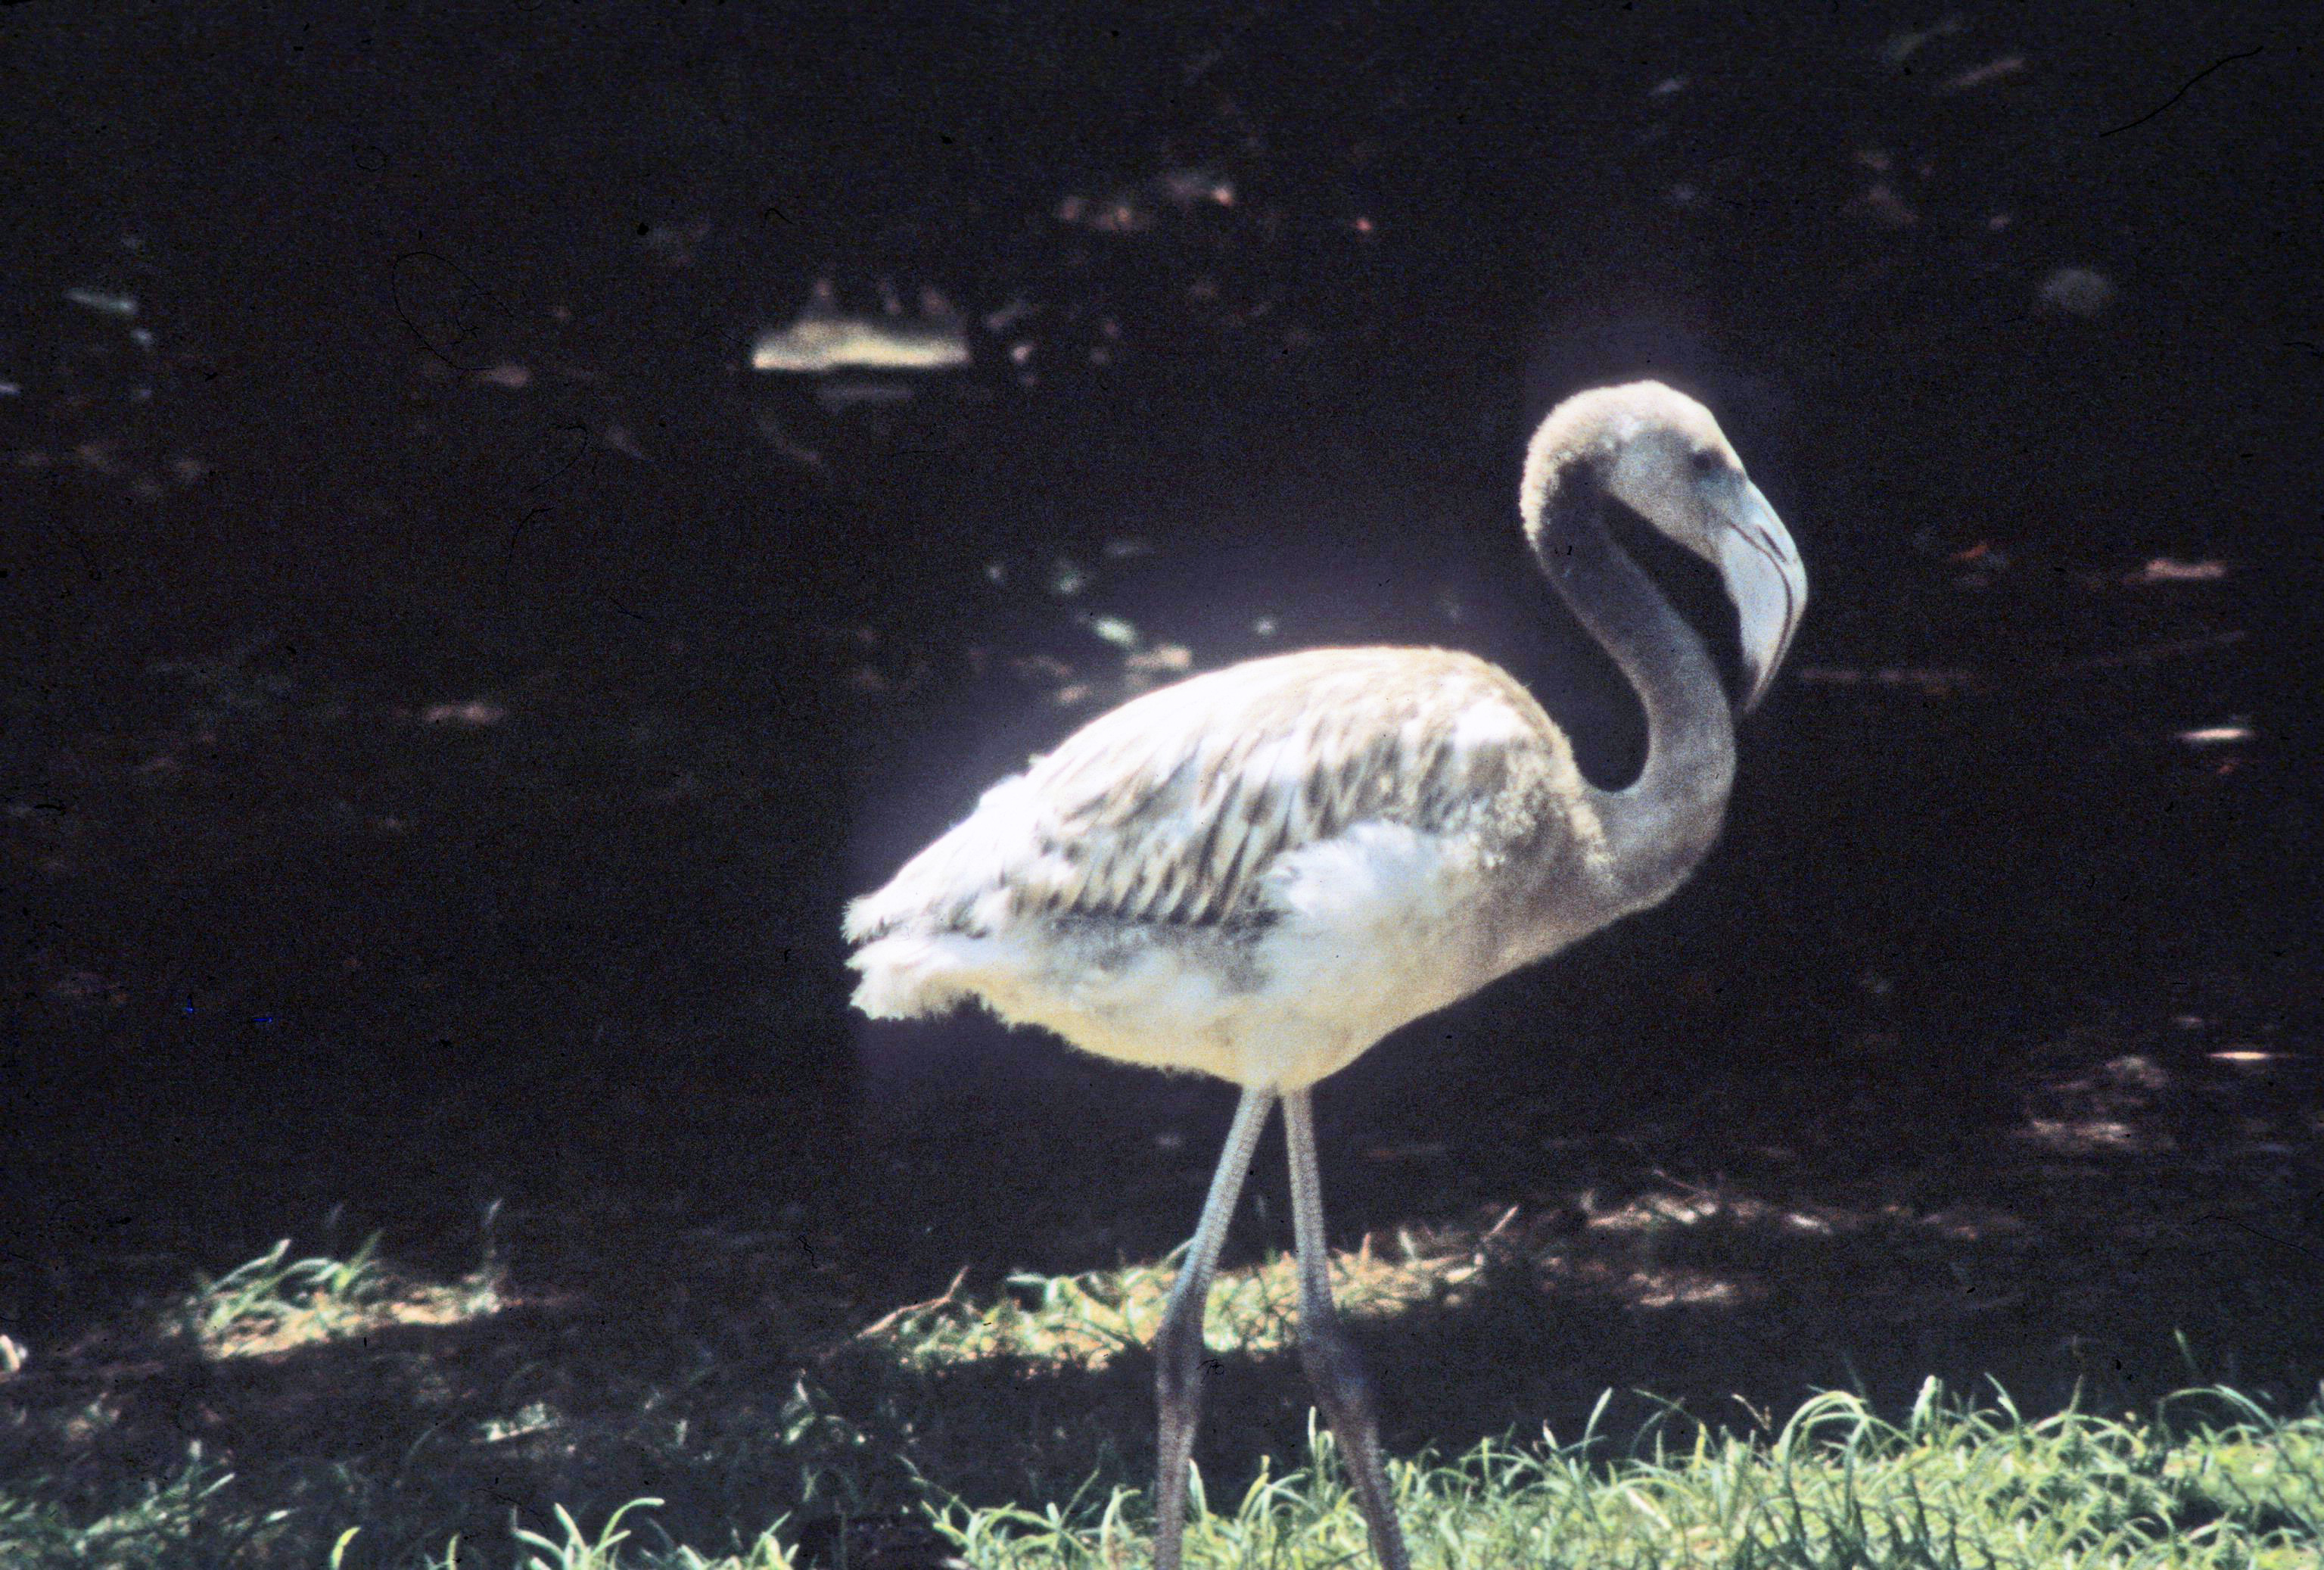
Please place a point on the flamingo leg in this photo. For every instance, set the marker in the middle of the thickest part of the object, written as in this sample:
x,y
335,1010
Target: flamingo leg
x,y
1341,1389
1178,1345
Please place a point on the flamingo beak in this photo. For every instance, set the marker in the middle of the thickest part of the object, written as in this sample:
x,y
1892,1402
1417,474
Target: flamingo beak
x,y
1767,583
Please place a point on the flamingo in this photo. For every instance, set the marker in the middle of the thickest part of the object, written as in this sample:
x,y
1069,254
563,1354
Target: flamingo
x,y
1260,872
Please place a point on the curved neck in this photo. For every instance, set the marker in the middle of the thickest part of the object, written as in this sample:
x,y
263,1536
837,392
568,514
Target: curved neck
x,y
1662,822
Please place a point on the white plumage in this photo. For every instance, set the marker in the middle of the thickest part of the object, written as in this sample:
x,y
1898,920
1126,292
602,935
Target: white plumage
x,y
1255,873
1260,872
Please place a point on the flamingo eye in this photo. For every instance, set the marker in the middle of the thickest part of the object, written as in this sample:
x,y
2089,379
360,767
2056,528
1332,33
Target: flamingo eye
x,y
1706,460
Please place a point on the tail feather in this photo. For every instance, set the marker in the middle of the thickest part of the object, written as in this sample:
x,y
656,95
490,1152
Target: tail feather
x,y
962,882
864,917
911,974
925,936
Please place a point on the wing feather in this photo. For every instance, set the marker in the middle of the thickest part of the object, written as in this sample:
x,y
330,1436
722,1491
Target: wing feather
x,y
1176,805
1174,808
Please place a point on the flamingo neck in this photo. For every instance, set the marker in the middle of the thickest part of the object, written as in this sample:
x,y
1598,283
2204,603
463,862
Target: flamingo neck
x,y
1660,825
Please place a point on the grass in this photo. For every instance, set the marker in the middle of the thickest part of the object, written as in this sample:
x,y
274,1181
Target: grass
x,y
1953,1485
831,1472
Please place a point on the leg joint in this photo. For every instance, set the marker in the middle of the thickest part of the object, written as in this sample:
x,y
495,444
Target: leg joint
x,y
1333,1367
1178,1359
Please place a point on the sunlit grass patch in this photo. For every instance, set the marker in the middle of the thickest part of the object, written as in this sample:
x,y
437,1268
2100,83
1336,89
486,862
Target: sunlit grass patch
x,y
274,1303
2255,1467
1952,1486
1086,1320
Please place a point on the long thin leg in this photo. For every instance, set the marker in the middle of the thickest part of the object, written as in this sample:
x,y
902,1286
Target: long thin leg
x,y
1340,1387
1178,1345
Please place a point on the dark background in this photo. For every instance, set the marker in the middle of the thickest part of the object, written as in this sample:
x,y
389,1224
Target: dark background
x,y
283,934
